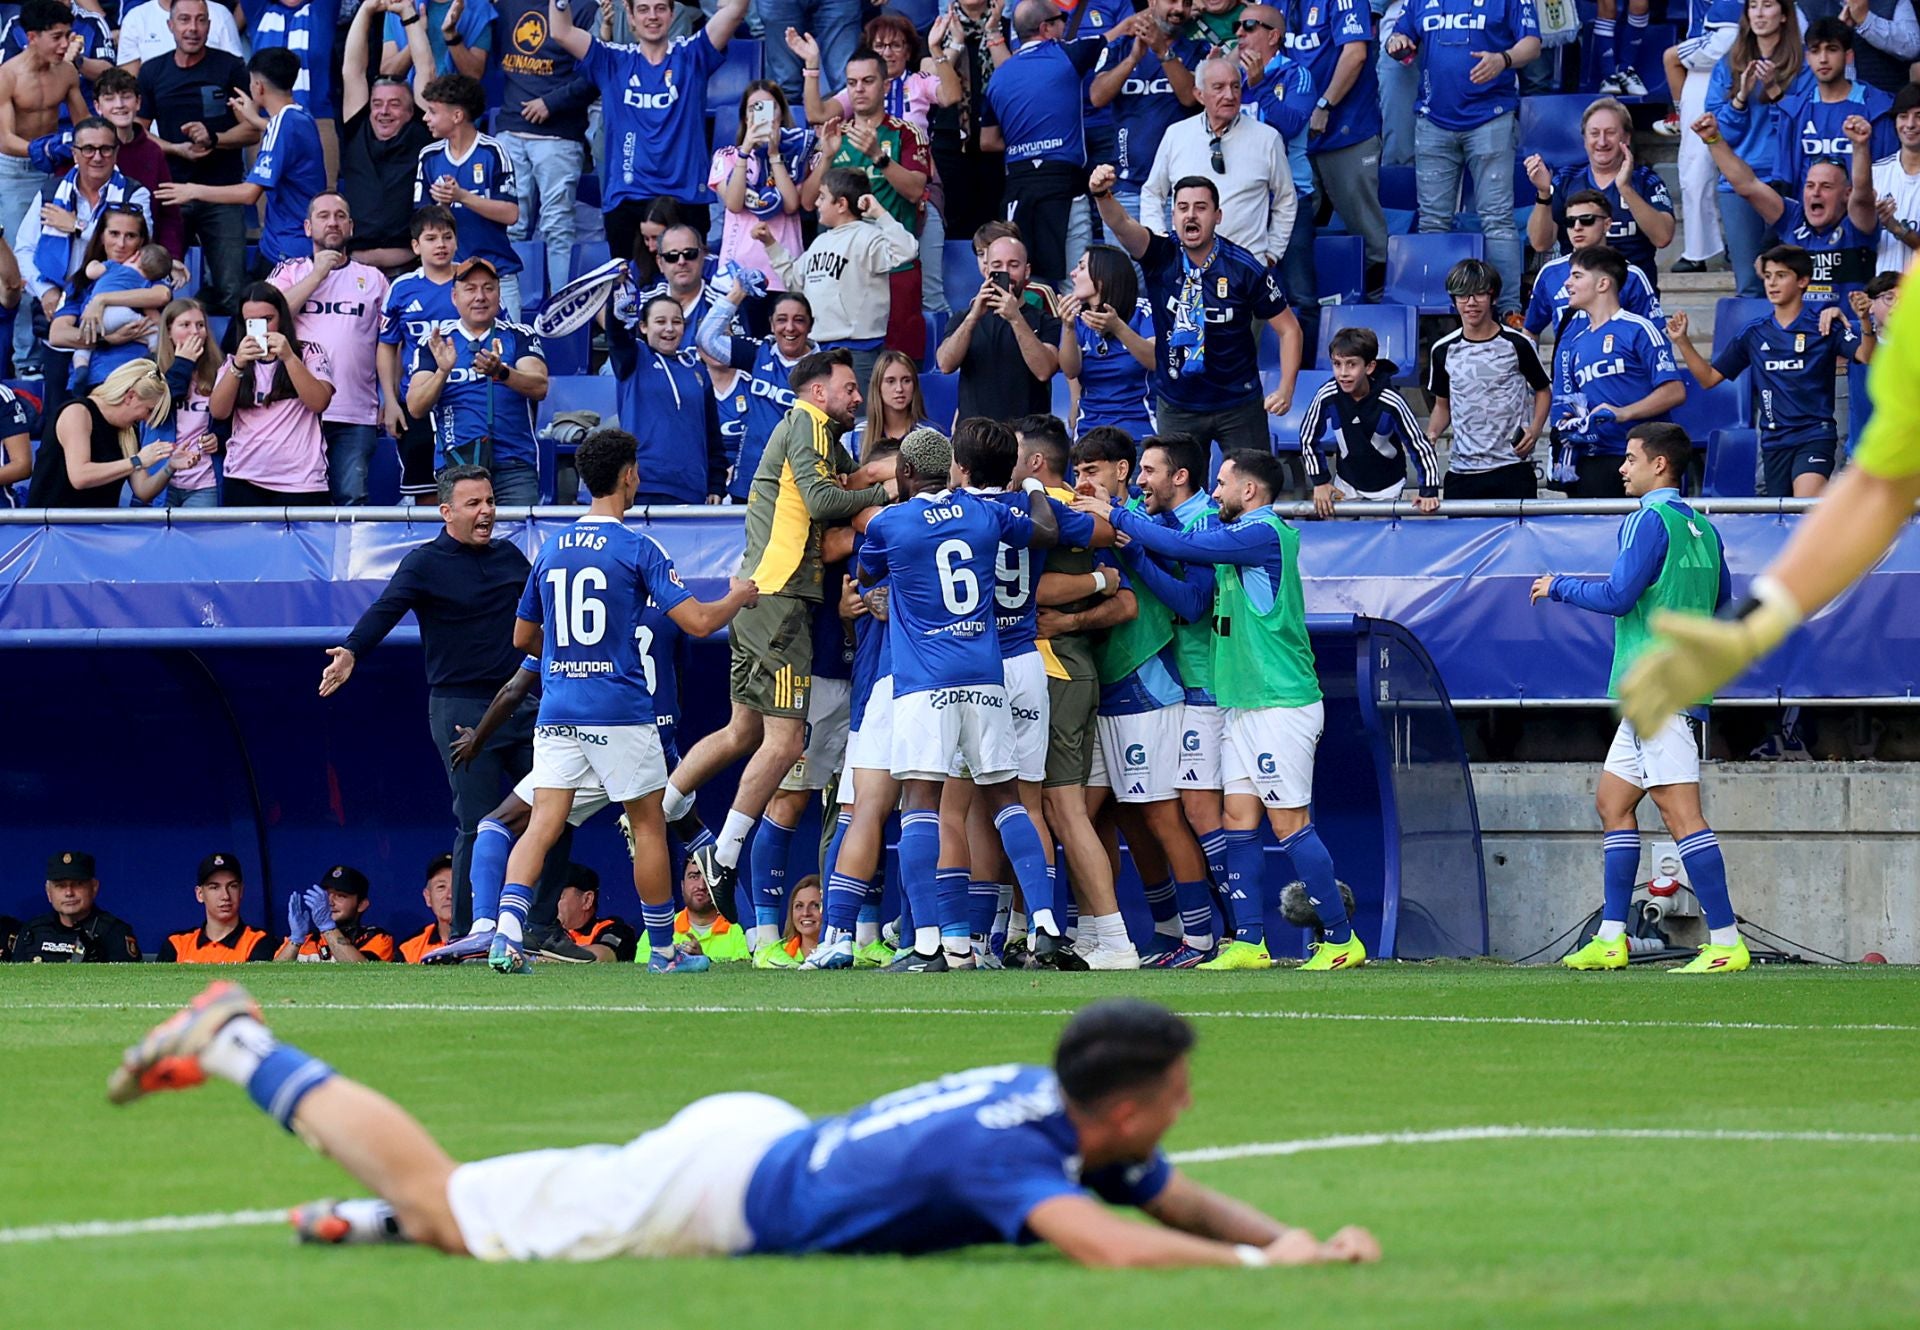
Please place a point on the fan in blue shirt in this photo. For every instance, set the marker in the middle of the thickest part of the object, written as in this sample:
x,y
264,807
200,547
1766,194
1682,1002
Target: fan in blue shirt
x,y
306,29
1006,1154
1454,39
288,171
1623,229
765,364
654,98
1146,91
1587,214
470,174
1107,343
1026,111
669,400
1811,127
480,379
1611,368
1318,33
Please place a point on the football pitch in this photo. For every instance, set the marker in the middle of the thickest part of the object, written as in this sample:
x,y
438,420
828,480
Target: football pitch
x,y
1532,1148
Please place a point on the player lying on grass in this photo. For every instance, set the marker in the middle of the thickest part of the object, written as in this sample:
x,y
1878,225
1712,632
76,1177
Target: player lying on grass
x,y
734,1174
1834,545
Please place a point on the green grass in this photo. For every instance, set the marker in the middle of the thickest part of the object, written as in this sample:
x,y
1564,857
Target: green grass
x,y
1523,1232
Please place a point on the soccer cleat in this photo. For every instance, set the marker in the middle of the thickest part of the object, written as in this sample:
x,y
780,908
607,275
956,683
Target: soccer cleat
x,y
677,961
875,955
1050,951
830,956
1181,957
1348,955
506,957
1599,955
169,1057
1238,955
1669,128
1718,960
1113,958
316,1222
912,962
775,956
983,957
720,878
472,947
959,960
1014,953
550,942
1160,944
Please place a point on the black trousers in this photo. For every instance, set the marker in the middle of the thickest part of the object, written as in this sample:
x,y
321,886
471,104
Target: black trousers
x,y
1512,481
479,786
1231,428
1597,478
1040,199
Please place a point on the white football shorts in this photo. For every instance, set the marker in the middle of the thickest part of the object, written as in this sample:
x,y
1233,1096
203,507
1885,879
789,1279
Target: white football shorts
x,y
1200,739
968,723
1268,752
826,751
1142,754
679,1190
1670,756
621,762
1028,707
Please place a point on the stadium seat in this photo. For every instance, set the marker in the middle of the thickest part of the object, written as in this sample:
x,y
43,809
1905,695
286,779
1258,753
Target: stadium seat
x,y
1399,189
217,329
588,255
739,66
1724,406
196,263
962,272
1061,390
533,276
1397,326
1417,268
1733,458
941,392
1550,126
383,473
1285,430
572,354
1731,314
937,323
1340,268
579,392
588,190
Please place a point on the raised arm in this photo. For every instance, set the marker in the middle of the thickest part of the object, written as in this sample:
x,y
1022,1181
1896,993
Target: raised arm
x,y
1765,199
1861,200
1132,236
574,41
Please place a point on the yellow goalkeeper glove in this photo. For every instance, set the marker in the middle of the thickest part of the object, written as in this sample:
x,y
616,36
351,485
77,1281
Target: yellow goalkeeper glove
x,y
1694,656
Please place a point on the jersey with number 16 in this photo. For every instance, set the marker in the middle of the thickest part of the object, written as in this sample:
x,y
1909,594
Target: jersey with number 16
x,y
588,592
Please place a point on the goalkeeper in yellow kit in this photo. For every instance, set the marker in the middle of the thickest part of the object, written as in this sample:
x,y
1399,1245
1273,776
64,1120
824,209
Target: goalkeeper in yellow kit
x,y
1845,534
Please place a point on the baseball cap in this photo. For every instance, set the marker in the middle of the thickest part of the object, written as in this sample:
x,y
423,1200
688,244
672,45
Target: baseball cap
x,y
343,878
219,862
476,261
70,866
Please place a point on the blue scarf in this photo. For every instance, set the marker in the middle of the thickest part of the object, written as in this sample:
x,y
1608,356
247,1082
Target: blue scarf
x,y
1188,336
53,255
763,196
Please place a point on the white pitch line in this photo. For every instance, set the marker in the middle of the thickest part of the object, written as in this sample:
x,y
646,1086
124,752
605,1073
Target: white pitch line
x,y
125,1228
751,1009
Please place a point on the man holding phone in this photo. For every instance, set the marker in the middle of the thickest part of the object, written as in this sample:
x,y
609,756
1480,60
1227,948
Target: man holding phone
x,y
1004,347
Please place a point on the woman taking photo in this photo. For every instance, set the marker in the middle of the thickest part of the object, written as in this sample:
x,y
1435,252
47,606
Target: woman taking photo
x,y
1106,344
756,179
94,446
273,389
191,363
895,407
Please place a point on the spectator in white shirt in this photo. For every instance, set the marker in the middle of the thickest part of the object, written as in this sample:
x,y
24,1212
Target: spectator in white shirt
x,y
1896,186
1245,159
144,33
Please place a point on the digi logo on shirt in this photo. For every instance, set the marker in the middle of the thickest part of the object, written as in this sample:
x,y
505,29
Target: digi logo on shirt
x,y
1453,22
650,101
1599,369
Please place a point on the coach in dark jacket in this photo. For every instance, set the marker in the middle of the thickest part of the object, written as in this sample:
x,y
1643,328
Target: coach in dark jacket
x,y
463,587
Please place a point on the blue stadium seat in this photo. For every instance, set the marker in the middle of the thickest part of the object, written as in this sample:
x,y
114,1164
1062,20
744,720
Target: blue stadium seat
x,y
723,125
533,276
1397,327
589,254
937,324
962,272
572,392
1417,268
588,191
1708,410
1398,188
572,354
217,329
739,66
1285,430
941,392
1340,268
1060,389
1550,126
1733,457
383,473
196,264
1731,314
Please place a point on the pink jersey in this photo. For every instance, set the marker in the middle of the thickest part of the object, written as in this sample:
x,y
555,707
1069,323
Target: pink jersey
x,y
279,446
190,421
343,315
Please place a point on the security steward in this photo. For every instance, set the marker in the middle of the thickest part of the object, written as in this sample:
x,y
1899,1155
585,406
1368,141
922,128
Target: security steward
x,y
223,939
578,912
327,922
438,894
74,930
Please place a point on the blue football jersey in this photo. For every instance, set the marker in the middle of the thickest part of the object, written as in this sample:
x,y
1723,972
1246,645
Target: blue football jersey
x,y
659,639
1619,362
1113,385
290,170
473,407
416,305
942,550
588,592
656,118
872,658
487,171
1793,379
955,1162
1017,570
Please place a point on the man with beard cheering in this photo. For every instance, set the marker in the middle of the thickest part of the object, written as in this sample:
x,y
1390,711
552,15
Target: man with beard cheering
x,y
337,302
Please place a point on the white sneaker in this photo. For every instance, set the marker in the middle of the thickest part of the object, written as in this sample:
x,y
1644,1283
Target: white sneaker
x,y
1669,128
1113,958
1624,83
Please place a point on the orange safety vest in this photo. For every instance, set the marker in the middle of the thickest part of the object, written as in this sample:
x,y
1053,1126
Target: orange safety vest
x,y
194,948
683,923
586,939
415,948
376,944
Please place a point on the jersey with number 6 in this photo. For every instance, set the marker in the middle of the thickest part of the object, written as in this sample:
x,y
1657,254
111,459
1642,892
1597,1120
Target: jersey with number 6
x,y
588,592
942,551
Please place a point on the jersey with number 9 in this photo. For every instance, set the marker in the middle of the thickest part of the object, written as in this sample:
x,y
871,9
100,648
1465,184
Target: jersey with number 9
x,y
588,592
943,551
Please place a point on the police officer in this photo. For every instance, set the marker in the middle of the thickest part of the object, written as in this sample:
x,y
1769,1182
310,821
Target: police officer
x,y
74,930
223,938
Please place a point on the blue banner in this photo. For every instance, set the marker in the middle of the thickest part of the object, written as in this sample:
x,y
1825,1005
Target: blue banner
x,y
1459,584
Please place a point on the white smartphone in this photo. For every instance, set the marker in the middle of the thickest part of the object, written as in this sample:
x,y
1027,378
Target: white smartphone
x,y
257,330
761,115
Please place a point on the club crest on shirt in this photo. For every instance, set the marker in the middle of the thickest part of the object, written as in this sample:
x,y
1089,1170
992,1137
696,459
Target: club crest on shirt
x,y
479,173
1606,345
1799,342
1220,288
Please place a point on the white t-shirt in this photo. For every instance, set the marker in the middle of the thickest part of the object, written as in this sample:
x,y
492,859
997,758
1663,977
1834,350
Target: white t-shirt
x,y
1889,180
144,35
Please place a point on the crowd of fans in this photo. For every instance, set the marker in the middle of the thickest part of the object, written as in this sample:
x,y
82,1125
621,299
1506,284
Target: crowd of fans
x,y
423,177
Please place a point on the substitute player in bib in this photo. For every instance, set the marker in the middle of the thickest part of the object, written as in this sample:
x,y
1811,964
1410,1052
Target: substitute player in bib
x,y
581,608
1263,675
1832,547
940,547
737,1174
1670,559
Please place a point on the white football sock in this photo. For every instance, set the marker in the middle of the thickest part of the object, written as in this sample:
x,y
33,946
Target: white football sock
x,y
238,1050
1724,937
480,926
1611,929
733,837
926,939
674,805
